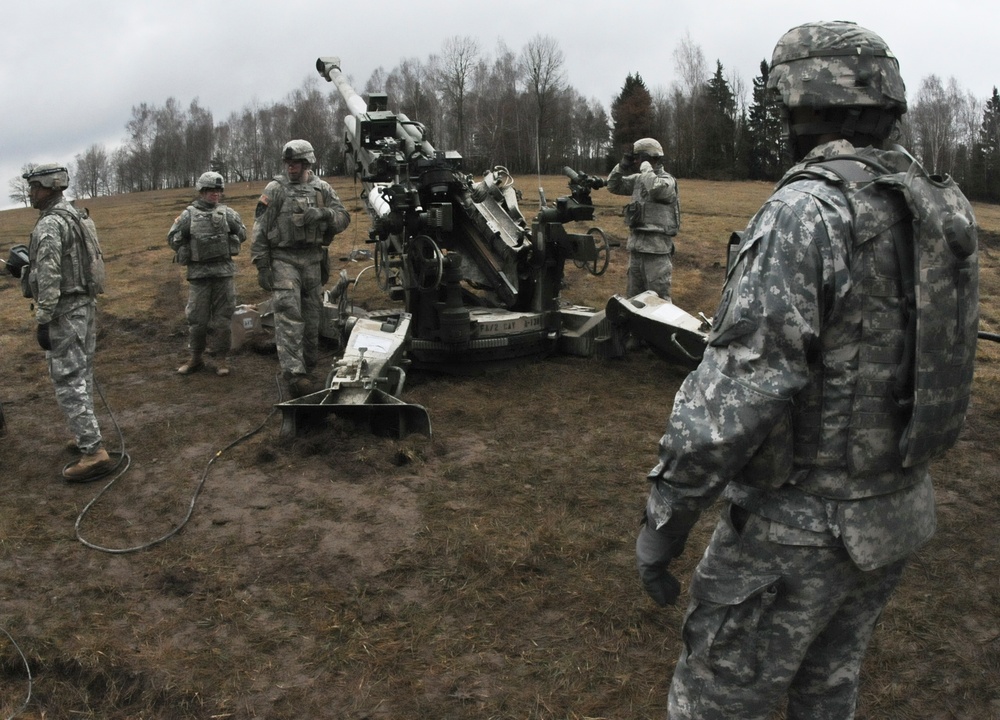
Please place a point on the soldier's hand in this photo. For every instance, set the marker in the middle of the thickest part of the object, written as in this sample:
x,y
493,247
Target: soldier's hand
x,y
265,278
315,215
626,164
654,549
42,334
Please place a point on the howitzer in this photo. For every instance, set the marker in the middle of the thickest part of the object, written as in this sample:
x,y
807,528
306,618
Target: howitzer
x,y
479,281
479,284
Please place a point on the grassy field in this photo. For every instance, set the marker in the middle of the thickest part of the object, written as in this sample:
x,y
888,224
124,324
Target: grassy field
x,y
486,572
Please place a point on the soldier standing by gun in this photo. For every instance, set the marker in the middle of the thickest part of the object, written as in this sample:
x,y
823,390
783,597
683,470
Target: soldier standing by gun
x,y
60,279
653,217
205,237
819,401
296,218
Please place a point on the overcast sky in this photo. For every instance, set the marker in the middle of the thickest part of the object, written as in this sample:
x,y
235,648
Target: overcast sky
x,y
72,71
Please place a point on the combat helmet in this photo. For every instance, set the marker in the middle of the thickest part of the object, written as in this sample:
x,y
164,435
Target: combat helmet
x,y
210,181
838,65
48,175
298,150
648,146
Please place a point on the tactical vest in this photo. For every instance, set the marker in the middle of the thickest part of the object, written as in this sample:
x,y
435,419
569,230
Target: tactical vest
x,y
74,256
209,234
289,230
652,216
891,382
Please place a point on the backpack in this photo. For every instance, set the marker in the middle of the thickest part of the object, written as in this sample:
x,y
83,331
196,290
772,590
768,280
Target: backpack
x,y
92,258
941,268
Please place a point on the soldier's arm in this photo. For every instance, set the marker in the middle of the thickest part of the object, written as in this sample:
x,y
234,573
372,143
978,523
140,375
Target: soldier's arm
x,y
236,226
619,183
340,219
180,232
260,246
47,267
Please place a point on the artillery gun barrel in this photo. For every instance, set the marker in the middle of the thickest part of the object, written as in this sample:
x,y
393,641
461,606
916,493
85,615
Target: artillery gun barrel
x,y
329,68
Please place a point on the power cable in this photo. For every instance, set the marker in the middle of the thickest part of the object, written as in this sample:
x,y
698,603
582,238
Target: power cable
x,y
194,497
27,669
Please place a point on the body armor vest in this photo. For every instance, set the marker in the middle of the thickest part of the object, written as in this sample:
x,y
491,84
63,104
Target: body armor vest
x,y
289,230
209,234
892,379
651,216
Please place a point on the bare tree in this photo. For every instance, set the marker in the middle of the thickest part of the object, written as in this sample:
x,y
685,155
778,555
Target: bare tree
x,y
458,60
542,66
19,186
93,169
692,69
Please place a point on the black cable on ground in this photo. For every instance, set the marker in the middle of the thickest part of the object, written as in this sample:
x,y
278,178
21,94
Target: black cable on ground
x,y
27,669
194,497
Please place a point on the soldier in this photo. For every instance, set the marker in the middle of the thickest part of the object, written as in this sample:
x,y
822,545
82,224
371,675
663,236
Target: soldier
x,y
205,237
60,279
819,400
296,218
653,217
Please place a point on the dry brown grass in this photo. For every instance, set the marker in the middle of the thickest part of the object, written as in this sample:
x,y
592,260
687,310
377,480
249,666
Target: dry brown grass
x,y
484,573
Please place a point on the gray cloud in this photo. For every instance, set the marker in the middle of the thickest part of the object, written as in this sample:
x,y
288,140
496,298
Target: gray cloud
x,y
71,72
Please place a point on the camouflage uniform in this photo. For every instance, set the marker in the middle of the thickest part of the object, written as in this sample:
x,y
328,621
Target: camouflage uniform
x,y
293,252
212,298
651,233
57,284
821,512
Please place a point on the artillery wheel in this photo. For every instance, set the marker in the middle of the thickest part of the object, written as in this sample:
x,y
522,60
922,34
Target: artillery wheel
x,y
599,264
426,262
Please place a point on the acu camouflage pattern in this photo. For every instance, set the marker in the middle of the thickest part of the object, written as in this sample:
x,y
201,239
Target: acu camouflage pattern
x,y
653,218
775,611
836,64
294,252
57,283
204,237
57,278
762,420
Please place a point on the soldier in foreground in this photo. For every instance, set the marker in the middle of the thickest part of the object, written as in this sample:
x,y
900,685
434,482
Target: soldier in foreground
x,y
205,237
63,282
296,218
653,217
819,401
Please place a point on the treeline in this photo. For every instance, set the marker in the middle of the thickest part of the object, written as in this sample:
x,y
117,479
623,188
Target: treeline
x,y
518,109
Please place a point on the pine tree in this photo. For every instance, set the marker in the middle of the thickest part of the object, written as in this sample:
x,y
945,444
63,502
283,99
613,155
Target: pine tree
x,y
631,113
989,149
764,131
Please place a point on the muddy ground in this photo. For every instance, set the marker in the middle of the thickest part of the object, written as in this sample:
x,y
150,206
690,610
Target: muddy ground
x,y
483,572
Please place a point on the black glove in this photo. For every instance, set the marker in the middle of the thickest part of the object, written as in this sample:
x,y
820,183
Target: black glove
x,y
265,278
654,549
42,333
626,164
316,214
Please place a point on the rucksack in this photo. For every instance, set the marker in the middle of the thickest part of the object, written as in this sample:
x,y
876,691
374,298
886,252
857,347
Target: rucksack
x,y
94,273
941,268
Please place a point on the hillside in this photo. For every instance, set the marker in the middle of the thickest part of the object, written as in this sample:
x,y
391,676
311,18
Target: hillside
x,y
486,572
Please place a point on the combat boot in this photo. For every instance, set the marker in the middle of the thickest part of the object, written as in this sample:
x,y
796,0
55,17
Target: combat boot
x,y
194,363
89,467
222,367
